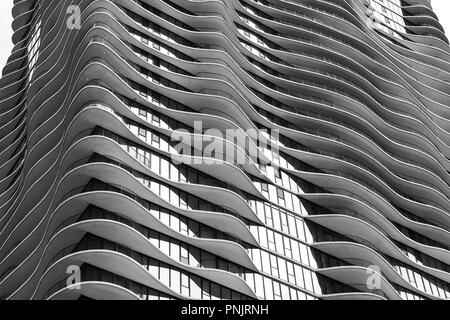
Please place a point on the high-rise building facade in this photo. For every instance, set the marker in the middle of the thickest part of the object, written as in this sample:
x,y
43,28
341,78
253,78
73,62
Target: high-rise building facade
x,y
225,149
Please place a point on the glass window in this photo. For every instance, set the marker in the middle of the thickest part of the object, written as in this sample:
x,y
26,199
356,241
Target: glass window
x,y
164,275
185,285
215,292
175,281
308,280
142,132
299,276
195,286
206,290
265,259
268,288
259,286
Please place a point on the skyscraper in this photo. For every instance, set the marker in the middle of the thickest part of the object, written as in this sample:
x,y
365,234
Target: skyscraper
x,y
233,149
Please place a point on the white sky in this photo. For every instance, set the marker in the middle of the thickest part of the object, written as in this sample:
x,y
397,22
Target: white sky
x,y
441,7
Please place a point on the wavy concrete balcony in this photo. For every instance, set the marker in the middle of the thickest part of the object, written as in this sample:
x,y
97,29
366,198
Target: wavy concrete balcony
x,y
358,177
